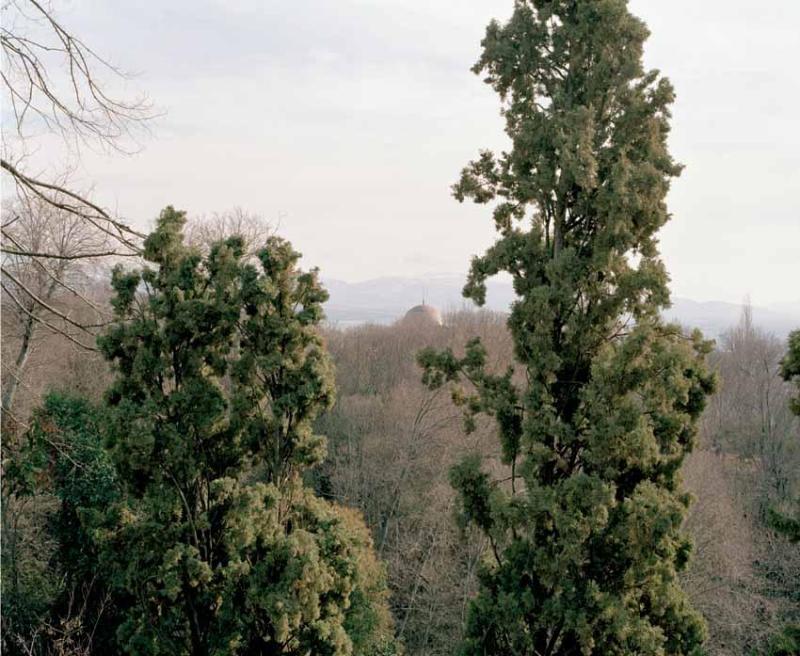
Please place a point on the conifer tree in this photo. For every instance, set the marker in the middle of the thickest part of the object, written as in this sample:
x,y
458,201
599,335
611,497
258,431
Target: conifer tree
x,y
598,413
62,605
787,641
790,371
217,546
790,368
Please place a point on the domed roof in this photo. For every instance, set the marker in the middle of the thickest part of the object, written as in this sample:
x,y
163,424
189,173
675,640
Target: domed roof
x,y
424,313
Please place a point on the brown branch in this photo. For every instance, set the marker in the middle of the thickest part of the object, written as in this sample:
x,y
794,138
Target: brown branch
x,y
55,256
47,324
36,299
83,110
53,277
37,185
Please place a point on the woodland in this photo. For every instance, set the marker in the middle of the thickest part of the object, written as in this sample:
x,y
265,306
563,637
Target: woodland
x,y
194,461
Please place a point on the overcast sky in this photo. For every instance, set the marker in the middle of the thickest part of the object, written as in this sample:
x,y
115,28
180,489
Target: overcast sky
x,y
351,119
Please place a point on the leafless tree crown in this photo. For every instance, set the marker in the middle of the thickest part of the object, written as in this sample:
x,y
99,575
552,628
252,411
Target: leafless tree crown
x,y
55,84
53,78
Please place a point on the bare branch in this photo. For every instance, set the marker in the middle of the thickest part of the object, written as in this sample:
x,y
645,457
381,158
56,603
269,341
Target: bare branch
x,y
50,308
45,323
39,188
55,256
52,75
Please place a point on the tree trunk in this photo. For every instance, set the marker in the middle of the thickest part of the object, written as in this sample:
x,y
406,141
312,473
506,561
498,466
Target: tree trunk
x,y
10,388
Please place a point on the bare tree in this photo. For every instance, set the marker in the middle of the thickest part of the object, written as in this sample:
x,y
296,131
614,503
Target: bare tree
x,y
391,444
55,84
253,228
751,413
743,577
52,76
45,265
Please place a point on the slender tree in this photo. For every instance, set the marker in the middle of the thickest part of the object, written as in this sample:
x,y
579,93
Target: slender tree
x,y
218,547
599,412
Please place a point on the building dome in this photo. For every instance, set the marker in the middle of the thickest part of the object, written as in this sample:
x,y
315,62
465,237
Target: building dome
x,y
424,314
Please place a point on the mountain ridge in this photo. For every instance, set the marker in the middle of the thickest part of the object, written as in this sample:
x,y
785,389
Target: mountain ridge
x,y
386,299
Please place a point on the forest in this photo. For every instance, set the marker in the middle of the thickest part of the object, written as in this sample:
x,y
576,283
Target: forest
x,y
195,461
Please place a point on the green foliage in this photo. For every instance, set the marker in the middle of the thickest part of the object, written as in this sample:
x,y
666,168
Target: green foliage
x,y
790,370
81,475
585,526
217,547
788,526
368,621
28,583
790,367
62,458
786,643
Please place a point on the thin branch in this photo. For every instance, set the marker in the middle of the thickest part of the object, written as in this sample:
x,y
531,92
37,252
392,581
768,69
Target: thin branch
x,y
43,322
56,256
55,279
51,309
36,187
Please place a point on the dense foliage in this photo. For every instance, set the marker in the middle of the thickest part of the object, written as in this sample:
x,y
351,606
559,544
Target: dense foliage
x,y
785,644
66,603
790,371
191,530
189,510
790,367
219,547
600,411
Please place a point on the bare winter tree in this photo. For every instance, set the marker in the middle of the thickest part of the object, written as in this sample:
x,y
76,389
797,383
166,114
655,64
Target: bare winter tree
x,y
46,260
391,444
253,228
743,577
752,412
54,84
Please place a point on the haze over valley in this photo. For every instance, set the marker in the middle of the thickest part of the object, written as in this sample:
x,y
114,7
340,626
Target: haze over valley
x,y
384,300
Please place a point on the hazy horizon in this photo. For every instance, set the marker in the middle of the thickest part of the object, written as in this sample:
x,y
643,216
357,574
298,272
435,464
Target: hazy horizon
x,y
348,124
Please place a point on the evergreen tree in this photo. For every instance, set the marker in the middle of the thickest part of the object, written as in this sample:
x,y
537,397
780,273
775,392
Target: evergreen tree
x,y
790,367
786,643
790,371
65,607
217,546
600,410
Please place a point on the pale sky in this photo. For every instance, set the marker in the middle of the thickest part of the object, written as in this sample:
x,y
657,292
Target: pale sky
x,y
351,119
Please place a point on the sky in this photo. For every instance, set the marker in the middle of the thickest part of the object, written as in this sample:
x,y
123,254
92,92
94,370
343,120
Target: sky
x,y
346,123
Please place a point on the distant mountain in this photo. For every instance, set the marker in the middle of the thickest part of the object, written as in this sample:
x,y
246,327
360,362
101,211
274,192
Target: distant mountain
x,y
383,300
715,317
791,308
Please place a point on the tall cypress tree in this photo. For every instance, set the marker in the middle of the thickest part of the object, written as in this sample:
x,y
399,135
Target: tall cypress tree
x,y
596,417
217,546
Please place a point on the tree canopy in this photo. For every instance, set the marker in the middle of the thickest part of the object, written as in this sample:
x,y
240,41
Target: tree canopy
x,y
598,413
790,367
217,546
790,371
